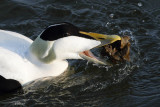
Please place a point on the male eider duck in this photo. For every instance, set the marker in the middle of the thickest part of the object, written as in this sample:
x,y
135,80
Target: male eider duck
x,y
23,60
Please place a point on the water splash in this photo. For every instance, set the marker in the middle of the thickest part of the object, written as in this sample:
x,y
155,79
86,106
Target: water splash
x,y
140,4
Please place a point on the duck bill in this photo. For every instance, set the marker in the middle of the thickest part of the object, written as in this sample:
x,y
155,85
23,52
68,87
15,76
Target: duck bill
x,y
104,39
88,55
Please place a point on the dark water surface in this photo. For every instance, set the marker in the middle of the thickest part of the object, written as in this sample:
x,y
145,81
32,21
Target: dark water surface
x,y
128,84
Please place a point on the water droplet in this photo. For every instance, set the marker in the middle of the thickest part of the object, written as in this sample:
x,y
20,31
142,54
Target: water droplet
x,y
126,32
92,7
140,4
107,24
111,15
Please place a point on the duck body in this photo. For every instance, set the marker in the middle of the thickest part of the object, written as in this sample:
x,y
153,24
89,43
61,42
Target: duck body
x,y
15,61
12,56
23,60
18,63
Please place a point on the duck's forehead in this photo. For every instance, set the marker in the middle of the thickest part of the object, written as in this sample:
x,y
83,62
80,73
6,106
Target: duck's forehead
x,y
53,32
57,31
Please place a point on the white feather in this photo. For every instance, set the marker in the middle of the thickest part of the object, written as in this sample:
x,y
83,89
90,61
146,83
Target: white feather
x,y
70,47
24,60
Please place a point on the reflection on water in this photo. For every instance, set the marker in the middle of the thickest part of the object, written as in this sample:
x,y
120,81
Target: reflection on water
x,y
134,83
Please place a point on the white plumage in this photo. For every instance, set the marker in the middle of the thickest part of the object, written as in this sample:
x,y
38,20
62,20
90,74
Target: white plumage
x,y
24,60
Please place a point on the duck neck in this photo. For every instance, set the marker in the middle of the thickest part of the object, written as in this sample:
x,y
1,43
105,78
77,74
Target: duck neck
x,y
42,50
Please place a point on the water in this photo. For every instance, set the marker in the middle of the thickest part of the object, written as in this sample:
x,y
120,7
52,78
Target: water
x,y
128,84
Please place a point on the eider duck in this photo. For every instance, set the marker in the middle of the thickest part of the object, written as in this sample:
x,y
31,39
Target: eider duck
x,y
23,60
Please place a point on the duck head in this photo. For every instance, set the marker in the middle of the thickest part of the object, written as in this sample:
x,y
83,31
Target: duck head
x,y
66,41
